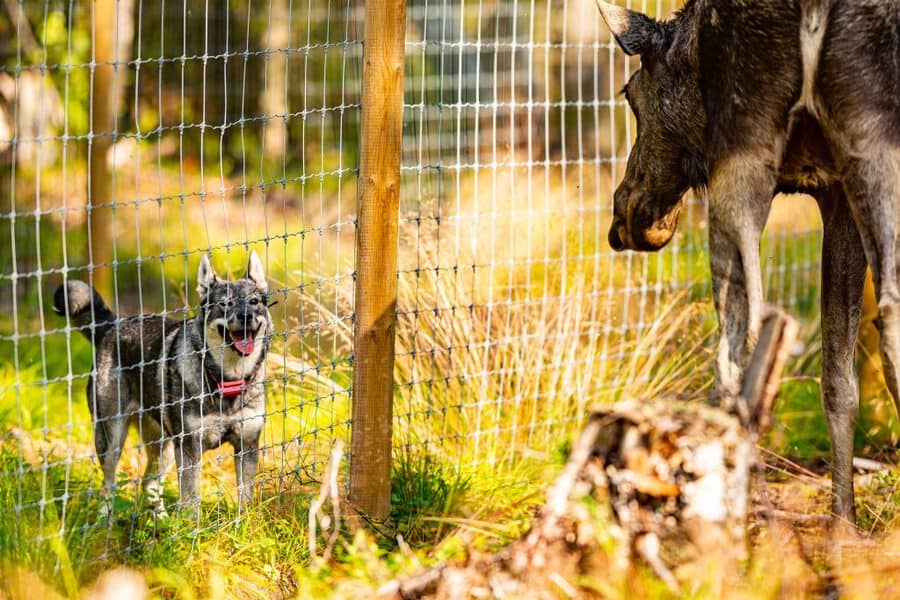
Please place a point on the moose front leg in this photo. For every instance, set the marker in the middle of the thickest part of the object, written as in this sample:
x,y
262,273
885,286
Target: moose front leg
x,y
737,295
843,276
741,194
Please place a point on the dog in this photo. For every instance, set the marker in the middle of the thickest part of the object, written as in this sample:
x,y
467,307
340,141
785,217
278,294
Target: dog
x,y
188,386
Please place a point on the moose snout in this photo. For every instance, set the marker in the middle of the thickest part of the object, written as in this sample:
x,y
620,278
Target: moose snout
x,y
618,234
615,240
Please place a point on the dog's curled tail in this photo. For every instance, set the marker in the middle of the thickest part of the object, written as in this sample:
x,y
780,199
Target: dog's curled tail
x,y
85,308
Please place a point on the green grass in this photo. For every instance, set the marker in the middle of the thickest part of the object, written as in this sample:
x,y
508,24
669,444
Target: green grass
x,y
496,367
445,498
444,507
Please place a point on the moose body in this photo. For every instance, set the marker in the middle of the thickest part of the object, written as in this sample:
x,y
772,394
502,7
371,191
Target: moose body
x,y
745,99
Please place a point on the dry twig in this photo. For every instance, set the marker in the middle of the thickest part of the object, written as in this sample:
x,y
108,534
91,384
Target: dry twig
x,y
329,490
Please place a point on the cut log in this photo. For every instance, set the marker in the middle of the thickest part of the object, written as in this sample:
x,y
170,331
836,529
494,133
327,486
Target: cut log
x,y
661,482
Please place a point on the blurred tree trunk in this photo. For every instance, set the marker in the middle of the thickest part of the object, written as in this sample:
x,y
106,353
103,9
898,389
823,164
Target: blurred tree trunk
x,y
111,49
30,105
274,99
877,418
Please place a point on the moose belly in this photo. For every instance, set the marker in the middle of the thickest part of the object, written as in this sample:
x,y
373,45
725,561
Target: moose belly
x,y
808,164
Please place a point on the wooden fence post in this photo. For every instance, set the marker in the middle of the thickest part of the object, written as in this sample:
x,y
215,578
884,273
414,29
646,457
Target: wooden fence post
x,y
376,256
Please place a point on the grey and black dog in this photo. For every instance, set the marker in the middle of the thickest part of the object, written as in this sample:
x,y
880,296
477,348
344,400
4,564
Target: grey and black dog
x,y
748,99
187,385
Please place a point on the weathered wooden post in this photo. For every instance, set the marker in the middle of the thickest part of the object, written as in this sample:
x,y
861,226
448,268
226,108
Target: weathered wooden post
x,y
376,256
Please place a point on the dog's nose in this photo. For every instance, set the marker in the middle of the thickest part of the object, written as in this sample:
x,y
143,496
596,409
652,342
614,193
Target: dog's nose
x,y
245,319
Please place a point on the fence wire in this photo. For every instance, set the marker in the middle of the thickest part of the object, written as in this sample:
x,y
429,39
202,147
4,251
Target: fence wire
x,y
236,128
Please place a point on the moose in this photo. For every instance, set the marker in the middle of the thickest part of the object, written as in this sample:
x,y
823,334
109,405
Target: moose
x,y
743,100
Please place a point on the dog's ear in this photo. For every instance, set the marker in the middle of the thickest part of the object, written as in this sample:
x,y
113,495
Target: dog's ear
x,y
256,273
206,276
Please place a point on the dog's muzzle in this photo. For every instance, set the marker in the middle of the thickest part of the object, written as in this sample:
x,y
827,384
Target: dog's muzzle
x,y
242,339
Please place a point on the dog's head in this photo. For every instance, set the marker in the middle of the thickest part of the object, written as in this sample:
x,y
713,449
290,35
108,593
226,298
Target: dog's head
x,y
235,316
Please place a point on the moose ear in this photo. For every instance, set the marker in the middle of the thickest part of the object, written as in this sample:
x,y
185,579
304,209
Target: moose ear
x,y
256,273
206,276
634,31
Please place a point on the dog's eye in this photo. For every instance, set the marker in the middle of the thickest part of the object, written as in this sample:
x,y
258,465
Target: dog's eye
x,y
254,301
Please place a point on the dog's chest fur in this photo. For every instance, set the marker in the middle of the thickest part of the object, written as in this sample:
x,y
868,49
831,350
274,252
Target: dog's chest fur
x,y
193,406
219,427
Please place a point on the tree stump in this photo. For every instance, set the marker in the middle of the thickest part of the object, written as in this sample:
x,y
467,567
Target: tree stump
x,y
659,482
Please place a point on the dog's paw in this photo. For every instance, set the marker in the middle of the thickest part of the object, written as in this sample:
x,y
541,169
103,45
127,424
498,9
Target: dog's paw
x,y
105,510
188,510
154,501
159,512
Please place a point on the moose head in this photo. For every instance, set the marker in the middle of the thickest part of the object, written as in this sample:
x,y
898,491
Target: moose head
x,y
667,157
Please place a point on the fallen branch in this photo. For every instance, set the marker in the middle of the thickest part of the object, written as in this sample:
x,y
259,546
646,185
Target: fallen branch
x,y
867,464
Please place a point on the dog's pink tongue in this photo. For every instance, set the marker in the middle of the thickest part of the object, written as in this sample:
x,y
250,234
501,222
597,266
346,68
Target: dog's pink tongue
x,y
243,344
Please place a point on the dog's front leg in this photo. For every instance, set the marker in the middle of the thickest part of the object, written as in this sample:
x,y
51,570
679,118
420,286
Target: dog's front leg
x,y
188,454
246,463
741,192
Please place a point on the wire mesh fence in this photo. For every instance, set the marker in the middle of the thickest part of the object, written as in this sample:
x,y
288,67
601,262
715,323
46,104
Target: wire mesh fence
x,y
236,128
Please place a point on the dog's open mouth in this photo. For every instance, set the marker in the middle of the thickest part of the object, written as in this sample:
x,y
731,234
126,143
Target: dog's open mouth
x,y
242,340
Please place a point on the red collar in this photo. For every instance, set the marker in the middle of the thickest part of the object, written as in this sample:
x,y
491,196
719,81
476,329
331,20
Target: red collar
x,y
230,389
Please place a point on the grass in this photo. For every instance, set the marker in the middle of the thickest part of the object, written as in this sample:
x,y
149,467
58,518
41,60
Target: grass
x,y
513,324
